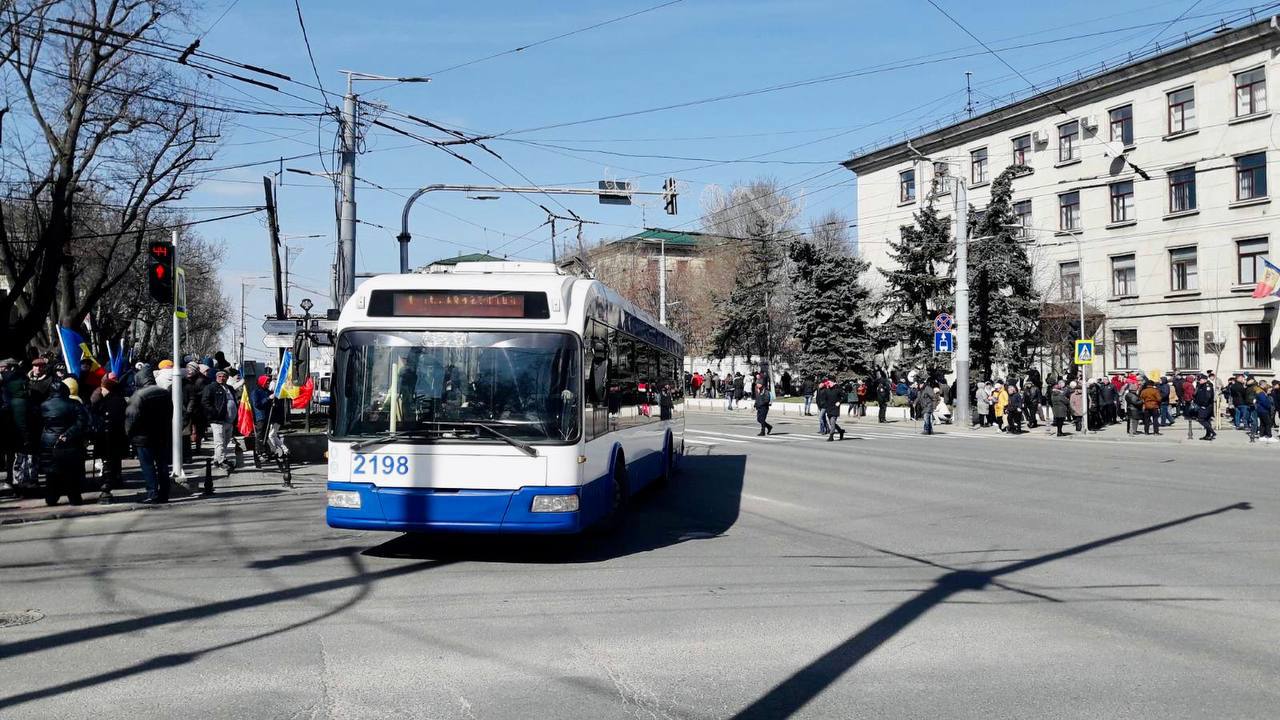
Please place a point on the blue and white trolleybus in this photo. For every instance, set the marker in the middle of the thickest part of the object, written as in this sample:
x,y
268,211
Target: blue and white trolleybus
x,y
498,397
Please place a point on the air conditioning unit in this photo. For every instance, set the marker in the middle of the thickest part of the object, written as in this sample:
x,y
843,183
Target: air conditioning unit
x,y
1089,122
1040,138
1210,338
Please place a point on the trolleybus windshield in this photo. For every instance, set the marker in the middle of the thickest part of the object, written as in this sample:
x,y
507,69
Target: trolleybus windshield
x,y
428,386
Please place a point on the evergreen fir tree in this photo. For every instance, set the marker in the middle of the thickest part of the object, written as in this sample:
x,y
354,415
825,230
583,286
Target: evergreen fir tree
x,y
919,286
1003,303
831,306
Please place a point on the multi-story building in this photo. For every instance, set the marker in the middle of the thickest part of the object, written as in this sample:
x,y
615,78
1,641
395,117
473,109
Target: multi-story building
x,y
1147,191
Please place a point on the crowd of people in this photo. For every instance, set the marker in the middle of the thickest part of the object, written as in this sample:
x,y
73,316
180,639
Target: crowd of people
x,y
52,422
1141,403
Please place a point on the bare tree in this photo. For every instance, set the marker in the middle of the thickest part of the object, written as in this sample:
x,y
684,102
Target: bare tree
x,y
755,319
830,233
102,136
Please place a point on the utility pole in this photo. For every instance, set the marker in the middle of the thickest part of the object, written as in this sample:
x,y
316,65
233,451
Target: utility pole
x,y
552,219
662,281
242,330
175,388
347,214
960,217
273,228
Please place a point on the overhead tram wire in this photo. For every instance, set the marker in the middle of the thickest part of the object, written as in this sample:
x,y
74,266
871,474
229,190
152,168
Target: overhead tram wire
x,y
1110,61
918,61
324,95
544,41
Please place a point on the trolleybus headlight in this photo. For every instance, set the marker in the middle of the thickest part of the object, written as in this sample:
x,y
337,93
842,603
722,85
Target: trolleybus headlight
x,y
344,499
555,503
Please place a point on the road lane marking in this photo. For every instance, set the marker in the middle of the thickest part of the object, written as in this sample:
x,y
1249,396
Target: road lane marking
x,y
784,503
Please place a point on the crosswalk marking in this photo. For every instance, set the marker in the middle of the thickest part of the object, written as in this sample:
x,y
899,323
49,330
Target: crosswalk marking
x,y
691,441
744,438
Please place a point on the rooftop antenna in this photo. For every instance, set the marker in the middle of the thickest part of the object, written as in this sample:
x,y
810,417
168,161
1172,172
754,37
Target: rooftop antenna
x,y
968,93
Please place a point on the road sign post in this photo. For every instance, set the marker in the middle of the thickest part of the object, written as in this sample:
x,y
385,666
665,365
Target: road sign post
x,y
1084,358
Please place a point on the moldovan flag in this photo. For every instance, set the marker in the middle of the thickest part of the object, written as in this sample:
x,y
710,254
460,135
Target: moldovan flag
x,y
1269,283
244,415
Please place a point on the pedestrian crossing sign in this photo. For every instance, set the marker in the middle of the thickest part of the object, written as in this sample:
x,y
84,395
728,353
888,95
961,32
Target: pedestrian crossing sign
x,y
1084,352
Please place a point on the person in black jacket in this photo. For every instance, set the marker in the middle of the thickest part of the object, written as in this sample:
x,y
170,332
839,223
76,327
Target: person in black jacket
x,y
1204,401
882,395
109,440
219,405
64,424
762,410
806,389
148,420
829,403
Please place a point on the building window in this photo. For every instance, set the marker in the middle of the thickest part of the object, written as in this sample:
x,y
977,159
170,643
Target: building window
x,y
1251,92
1069,141
1182,110
907,186
1249,264
940,175
1069,211
1182,190
1251,176
1182,267
1122,201
1022,150
1125,343
1124,276
1022,216
978,166
1255,346
1122,125
1069,280
1186,348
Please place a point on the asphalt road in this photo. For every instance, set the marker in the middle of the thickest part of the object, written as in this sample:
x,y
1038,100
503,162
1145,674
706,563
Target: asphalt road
x,y
886,576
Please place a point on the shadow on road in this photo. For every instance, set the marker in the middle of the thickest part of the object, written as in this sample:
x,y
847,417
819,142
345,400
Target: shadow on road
x,y
700,502
792,694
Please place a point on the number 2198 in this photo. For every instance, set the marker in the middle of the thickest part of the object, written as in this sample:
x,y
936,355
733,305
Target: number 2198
x,y
362,464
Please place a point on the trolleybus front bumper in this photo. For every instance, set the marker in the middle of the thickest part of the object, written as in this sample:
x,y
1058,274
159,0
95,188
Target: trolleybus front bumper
x,y
365,506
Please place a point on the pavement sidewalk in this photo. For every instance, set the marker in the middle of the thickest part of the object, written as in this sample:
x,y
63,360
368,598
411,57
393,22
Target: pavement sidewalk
x,y
245,483
900,418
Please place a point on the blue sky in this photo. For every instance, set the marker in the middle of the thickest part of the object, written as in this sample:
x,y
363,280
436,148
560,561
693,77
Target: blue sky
x,y
687,51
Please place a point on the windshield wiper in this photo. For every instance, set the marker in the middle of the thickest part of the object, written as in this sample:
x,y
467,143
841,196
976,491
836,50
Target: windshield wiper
x,y
523,447
390,437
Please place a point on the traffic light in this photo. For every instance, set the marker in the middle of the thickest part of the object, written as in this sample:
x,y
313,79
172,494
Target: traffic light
x,y
160,271
669,194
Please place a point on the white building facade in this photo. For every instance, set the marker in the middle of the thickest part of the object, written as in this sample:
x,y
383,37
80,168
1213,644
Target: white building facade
x,y
1148,191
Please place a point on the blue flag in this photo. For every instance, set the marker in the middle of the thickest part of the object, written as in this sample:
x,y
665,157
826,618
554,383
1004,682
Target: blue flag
x,y
72,353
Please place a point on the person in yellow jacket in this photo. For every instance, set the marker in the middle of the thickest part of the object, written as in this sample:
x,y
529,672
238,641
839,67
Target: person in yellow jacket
x,y
1002,403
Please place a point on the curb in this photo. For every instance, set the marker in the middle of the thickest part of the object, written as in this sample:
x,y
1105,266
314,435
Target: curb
x,y
92,508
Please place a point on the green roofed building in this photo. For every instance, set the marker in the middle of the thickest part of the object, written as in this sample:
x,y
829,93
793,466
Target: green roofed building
x,y
452,261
